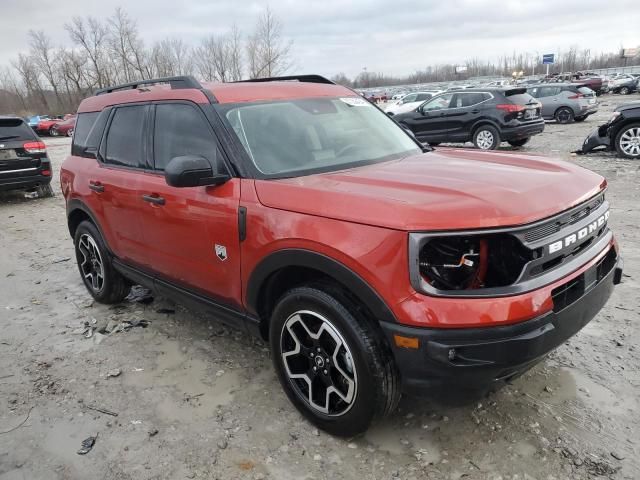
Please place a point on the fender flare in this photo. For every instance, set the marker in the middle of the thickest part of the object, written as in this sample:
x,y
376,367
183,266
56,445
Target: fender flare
x,y
324,264
75,204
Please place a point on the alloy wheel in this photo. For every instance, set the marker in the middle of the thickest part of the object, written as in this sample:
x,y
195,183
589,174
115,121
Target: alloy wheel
x,y
563,116
630,142
318,363
91,265
485,140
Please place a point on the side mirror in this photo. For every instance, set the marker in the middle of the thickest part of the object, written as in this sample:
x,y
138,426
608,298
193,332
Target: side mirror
x,y
192,171
90,152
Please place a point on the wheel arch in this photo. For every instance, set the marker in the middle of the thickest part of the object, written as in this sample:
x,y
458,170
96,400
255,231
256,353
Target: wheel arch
x,y
483,122
78,211
285,269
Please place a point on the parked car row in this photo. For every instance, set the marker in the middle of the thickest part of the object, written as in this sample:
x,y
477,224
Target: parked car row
x,y
52,126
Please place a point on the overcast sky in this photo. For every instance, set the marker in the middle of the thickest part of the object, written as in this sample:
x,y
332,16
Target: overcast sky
x,y
331,36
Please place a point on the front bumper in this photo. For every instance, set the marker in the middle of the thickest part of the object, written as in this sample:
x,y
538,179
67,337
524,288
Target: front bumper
x,y
522,131
598,138
479,357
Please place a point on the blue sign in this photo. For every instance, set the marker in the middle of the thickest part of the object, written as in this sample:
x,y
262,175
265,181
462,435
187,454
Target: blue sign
x,y
548,59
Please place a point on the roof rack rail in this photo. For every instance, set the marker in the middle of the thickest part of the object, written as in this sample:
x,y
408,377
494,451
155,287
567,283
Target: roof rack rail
x,y
299,78
185,81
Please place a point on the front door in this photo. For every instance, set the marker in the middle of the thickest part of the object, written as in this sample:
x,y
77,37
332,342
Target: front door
x,y
191,233
427,121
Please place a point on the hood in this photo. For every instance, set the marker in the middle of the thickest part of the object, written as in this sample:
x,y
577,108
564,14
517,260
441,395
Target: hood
x,y
446,189
628,106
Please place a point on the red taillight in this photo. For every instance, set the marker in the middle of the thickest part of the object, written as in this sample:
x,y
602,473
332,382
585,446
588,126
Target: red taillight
x,y
35,147
511,107
576,96
46,173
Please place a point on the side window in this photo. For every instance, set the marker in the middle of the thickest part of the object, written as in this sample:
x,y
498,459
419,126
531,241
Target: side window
x,y
470,99
438,103
534,92
181,129
125,137
409,98
84,123
423,96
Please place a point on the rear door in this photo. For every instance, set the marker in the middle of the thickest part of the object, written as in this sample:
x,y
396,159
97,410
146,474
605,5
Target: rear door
x,y
191,233
464,111
115,185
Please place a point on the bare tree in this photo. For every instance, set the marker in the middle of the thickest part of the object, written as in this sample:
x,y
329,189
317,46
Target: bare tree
x,y
92,38
127,47
269,53
235,53
28,71
44,57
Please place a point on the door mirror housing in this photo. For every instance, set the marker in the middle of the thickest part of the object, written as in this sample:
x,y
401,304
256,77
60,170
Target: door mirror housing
x,y
192,171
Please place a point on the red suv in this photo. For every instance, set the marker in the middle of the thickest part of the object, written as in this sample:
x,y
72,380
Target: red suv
x,y
298,211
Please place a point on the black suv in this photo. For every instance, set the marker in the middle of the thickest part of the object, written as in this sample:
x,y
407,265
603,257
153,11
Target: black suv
x,y
23,158
485,116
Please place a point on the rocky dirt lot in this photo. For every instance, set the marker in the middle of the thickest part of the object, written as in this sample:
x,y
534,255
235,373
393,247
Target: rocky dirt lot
x,y
185,397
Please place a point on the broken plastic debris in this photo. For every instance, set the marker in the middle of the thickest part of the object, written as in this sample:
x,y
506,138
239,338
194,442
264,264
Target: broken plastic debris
x,y
140,294
86,445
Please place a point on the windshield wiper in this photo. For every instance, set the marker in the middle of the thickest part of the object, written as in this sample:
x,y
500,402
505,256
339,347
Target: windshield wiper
x,y
8,137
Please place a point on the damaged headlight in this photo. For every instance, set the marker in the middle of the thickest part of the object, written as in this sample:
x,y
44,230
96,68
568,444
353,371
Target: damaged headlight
x,y
613,117
466,263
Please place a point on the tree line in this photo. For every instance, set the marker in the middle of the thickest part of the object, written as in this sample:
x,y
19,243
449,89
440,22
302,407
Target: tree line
x,y
572,60
53,79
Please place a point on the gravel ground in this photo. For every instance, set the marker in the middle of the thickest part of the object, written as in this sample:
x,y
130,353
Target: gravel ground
x,y
195,400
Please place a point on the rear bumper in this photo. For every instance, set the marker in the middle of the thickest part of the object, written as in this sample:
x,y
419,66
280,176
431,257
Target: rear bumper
x,y
478,357
25,182
522,131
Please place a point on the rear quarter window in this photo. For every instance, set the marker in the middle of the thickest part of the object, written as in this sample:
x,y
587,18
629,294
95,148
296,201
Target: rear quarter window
x,y
84,124
14,129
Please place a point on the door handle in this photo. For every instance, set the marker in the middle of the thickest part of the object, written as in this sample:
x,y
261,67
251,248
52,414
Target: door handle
x,y
155,199
475,111
96,187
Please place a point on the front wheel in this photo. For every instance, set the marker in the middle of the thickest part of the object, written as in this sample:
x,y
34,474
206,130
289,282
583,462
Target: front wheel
x,y
625,91
486,137
70,132
519,143
335,368
104,283
627,141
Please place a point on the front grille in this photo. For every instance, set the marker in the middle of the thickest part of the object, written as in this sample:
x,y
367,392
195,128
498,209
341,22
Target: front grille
x,y
567,294
555,225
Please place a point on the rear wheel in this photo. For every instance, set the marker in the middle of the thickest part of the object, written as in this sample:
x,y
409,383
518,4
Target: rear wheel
x,y
335,368
627,141
564,115
45,191
104,283
520,142
625,91
53,132
486,137
70,132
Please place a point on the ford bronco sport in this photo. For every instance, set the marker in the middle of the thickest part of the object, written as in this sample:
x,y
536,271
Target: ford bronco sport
x,y
298,211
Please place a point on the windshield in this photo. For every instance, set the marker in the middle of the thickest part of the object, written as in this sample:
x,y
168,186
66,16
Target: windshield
x,y
302,136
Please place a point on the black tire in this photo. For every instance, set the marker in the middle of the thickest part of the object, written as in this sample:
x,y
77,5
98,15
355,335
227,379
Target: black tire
x,y
45,191
580,119
628,132
70,132
519,143
372,392
52,132
564,115
625,91
114,287
486,137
